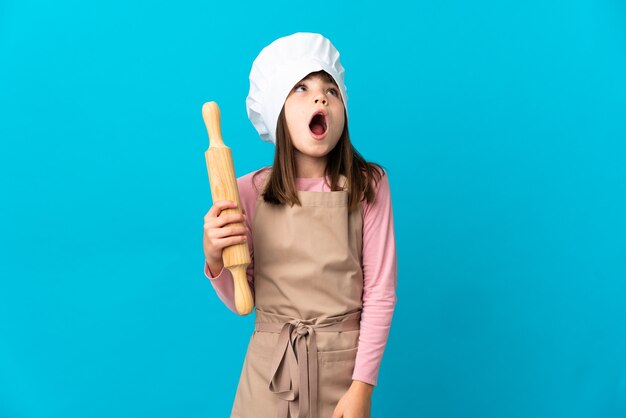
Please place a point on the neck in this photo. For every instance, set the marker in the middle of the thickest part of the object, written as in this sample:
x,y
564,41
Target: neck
x,y
307,167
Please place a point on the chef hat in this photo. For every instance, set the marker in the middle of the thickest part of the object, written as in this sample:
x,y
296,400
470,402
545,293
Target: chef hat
x,y
278,67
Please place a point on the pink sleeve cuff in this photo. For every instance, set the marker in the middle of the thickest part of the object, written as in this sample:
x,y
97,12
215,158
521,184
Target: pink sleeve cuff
x,y
223,285
365,379
209,274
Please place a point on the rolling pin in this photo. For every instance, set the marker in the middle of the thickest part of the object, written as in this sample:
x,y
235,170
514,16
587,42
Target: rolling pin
x,y
219,163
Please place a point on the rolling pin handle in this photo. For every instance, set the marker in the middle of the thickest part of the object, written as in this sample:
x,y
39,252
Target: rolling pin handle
x,y
211,116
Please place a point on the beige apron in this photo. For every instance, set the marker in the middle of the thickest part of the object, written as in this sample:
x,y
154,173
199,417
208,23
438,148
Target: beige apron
x,y
308,286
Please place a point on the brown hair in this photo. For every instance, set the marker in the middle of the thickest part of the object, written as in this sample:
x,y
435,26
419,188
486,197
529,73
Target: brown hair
x,y
344,159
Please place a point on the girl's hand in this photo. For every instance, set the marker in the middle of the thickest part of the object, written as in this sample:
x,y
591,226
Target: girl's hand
x,y
356,402
218,233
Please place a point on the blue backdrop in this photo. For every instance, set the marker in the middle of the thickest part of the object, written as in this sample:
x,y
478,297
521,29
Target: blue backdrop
x,y
502,126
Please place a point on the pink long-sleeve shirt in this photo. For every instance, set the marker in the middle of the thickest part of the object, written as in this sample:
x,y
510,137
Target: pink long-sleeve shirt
x,y
379,269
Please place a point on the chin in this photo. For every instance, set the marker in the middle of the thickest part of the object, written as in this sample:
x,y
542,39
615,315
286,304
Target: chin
x,y
318,153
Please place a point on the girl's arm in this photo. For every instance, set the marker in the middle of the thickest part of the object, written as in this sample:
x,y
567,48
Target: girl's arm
x,y
379,283
222,281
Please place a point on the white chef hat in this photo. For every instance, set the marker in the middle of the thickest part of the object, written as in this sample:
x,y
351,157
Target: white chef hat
x,y
278,67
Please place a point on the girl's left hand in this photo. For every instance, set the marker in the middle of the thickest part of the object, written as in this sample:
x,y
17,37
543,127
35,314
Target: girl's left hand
x,y
356,402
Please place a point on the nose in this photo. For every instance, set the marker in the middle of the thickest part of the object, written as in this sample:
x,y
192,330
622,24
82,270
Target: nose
x,y
321,98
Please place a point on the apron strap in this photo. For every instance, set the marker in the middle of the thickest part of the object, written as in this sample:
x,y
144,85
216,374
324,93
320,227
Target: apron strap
x,y
294,375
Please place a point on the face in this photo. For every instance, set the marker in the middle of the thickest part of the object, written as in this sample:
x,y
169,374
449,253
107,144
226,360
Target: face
x,y
315,117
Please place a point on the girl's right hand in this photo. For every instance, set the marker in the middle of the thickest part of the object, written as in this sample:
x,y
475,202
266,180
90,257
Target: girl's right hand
x,y
219,233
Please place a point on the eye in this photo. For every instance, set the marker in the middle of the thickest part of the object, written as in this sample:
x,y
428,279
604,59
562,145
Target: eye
x,y
299,87
334,92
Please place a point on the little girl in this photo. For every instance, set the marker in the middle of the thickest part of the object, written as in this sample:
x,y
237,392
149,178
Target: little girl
x,y
319,226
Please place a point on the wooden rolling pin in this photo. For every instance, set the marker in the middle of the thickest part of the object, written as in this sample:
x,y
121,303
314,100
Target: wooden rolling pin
x,y
219,162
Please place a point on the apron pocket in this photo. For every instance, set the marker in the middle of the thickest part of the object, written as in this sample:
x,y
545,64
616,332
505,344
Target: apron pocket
x,y
337,355
335,377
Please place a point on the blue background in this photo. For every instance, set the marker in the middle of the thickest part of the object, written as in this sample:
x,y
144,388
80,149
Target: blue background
x,y
502,126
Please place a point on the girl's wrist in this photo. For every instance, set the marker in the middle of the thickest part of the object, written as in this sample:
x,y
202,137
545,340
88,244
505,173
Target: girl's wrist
x,y
215,266
363,387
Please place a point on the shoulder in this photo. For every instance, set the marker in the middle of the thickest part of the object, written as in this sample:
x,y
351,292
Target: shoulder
x,y
251,183
379,184
379,180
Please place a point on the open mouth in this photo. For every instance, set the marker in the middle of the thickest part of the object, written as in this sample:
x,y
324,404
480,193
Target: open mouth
x,y
318,124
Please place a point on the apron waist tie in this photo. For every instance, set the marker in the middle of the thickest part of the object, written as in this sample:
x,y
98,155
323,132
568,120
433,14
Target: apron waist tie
x,y
293,376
